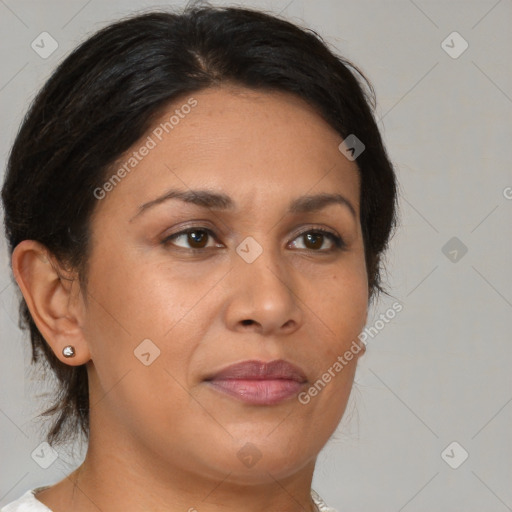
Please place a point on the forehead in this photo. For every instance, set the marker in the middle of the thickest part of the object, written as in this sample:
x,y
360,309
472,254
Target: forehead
x,y
257,146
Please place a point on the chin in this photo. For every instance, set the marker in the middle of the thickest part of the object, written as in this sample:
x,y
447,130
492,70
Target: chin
x,y
255,461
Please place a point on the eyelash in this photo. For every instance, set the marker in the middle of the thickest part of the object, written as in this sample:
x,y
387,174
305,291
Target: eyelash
x,y
338,242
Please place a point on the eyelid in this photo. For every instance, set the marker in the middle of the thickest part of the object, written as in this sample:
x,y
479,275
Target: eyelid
x,y
197,225
322,229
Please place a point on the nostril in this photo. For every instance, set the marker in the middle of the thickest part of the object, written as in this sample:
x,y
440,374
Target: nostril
x,y
247,322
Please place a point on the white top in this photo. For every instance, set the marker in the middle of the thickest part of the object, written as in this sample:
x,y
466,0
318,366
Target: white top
x,y
29,503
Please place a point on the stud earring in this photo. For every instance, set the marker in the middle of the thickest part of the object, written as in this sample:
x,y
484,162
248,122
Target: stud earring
x,y
68,351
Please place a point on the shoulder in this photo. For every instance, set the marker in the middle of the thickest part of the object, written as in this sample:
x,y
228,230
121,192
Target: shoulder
x,y
27,503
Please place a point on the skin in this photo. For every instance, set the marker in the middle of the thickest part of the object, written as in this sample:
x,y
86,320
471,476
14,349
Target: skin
x,y
161,438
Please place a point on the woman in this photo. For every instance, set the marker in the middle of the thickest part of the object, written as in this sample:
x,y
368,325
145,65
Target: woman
x,y
196,206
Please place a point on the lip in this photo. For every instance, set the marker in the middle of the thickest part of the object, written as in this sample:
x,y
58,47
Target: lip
x,y
258,382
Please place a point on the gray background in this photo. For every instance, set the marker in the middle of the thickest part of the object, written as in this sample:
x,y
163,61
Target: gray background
x,y
440,371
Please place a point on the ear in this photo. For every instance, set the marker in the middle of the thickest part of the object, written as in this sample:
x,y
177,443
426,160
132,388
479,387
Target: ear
x,y
53,297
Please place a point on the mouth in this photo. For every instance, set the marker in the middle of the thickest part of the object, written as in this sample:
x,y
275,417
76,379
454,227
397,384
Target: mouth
x,y
259,383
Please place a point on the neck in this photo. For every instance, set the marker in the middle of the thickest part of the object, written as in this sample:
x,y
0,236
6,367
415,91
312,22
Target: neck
x,y
122,479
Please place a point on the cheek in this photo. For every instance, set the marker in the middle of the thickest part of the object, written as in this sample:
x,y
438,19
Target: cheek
x,y
344,301
341,308
131,298
137,309
136,352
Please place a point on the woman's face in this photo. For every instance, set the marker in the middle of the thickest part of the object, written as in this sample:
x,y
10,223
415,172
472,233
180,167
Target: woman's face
x,y
253,280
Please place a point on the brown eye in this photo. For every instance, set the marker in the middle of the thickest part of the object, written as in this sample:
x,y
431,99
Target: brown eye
x,y
197,239
314,240
193,238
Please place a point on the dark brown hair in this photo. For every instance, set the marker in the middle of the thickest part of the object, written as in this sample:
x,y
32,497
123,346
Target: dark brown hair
x,y
101,100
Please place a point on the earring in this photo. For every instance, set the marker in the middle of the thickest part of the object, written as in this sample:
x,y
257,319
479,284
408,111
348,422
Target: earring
x,y
68,351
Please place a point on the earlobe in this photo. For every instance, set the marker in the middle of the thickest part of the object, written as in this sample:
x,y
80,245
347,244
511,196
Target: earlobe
x,y
53,298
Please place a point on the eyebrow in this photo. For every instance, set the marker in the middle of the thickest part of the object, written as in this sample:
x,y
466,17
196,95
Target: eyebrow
x,y
220,201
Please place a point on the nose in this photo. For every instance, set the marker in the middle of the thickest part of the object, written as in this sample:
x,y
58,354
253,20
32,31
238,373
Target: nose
x,y
263,295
